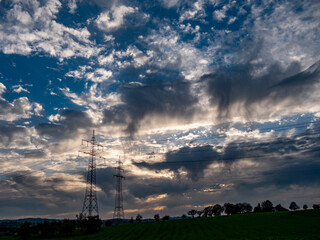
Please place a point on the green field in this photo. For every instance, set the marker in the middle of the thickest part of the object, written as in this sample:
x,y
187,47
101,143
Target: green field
x,y
281,225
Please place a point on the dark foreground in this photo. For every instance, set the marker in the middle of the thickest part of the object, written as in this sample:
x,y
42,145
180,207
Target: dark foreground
x,y
281,225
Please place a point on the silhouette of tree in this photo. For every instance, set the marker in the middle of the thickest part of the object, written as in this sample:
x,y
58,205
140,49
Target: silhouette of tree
x,y
44,229
25,231
81,221
156,217
244,207
183,216
217,210
166,218
139,218
247,207
109,223
199,213
267,206
131,220
305,207
208,211
93,224
293,206
258,208
228,208
316,206
279,208
67,227
192,212
240,207
89,224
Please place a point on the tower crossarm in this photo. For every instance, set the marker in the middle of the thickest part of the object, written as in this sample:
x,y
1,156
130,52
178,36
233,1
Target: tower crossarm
x,y
89,152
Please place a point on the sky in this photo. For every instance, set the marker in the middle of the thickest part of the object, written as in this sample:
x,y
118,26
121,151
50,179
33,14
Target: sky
x,y
205,102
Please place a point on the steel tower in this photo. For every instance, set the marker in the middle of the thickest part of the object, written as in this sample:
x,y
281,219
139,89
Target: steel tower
x,y
90,203
118,209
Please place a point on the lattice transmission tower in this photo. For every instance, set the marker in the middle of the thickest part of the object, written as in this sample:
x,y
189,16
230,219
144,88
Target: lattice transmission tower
x,y
118,213
90,203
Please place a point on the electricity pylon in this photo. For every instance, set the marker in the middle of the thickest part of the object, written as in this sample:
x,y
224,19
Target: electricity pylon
x,y
118,213
90,203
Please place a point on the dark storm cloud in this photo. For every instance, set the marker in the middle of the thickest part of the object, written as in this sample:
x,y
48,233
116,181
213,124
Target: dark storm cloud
x,y
9,133
293,172
36,194
105,180
299,84
71,121
236,85
155,96
289,161
35,154
135,185
284,151
193,160
306,173
142,188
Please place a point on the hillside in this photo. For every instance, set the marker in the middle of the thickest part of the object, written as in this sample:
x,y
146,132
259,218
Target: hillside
x,y
281,225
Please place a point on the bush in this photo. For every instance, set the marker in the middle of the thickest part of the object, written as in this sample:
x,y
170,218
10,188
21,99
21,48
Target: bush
x,y
293,206
25,232
89,224
316,206
156,217
166,218
108,223
139,218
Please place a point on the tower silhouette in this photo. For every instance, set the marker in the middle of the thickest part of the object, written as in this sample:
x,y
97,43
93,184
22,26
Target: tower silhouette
x,y
118,209
90,203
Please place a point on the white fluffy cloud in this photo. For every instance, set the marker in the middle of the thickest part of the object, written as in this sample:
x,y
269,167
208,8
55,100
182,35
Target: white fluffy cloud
x,y
72,4
293,36
196,11
2,89
97,75
19,89
18,108
170,51
113,19
24,32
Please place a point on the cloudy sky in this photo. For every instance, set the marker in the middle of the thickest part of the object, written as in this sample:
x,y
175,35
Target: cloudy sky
x,y
205,102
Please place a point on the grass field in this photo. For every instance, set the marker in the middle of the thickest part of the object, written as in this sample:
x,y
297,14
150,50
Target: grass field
x,y
281,225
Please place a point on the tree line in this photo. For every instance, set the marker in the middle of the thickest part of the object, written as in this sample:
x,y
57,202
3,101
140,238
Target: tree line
x,y
65,228
86,225
230,208
238,208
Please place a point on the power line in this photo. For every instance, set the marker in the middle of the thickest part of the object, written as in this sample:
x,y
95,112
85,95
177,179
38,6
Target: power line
x,y
224,159
181,152
219,136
